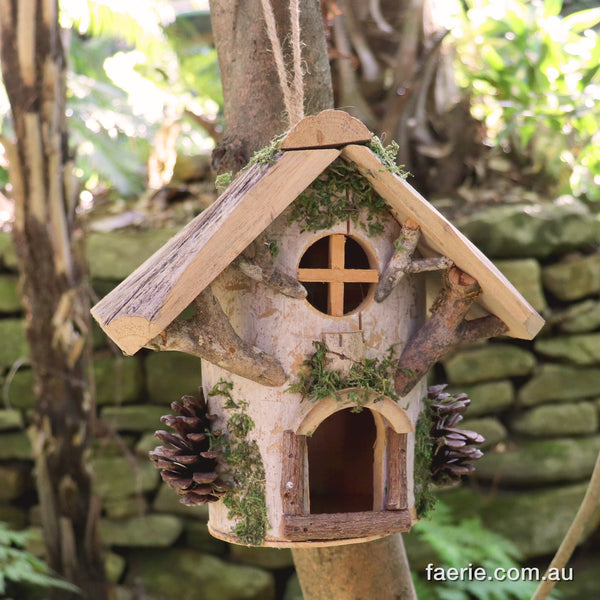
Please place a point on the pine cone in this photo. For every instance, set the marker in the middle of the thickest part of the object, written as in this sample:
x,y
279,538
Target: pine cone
x,y
186,463
453,452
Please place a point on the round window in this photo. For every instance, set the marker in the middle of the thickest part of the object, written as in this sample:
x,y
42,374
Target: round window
x,y
337,274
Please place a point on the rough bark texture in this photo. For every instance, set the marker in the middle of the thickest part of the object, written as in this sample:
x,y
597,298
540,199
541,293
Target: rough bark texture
x,y
33,69
445,329
254,111
209,335
372,570
253,115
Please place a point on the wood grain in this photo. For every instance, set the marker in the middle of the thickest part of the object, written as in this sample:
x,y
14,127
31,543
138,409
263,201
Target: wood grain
x,y
328,129
345,525
396,497
292,473
499,296
154,294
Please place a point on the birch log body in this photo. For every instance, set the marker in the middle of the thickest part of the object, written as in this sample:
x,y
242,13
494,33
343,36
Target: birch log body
x,y
286,329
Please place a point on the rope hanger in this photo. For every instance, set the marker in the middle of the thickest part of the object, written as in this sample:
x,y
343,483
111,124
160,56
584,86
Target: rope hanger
x,y
292,86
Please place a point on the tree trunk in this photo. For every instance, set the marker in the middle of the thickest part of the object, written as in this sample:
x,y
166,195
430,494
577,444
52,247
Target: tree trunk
x,y
254,113
33,69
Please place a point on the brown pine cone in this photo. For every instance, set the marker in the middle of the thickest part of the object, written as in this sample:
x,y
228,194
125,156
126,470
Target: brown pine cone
x,y
186,462
453,452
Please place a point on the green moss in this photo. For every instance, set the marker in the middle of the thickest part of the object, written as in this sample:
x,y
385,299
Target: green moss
x,y
387,155
337,195
222,181
369,375
244,469
424,497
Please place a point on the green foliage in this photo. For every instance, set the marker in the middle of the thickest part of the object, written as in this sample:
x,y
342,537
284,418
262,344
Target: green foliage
x,y
316,381
18,566
223,180
460,544
424,498
244,467
388,155
337,195
535,76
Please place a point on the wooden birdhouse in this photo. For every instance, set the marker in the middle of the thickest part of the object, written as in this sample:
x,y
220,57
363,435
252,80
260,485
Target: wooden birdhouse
x,y
310,317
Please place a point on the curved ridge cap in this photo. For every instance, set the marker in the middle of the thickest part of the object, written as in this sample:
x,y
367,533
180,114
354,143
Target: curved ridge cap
x,y
328,129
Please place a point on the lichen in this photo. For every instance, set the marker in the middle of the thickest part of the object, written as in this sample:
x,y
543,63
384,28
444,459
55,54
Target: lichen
x,y
424,498
370,375
244,468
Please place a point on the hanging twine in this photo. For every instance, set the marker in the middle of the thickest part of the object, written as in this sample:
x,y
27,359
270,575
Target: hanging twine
x,y
292,88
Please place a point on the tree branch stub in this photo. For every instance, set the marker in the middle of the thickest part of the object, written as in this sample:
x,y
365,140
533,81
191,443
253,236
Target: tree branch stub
x,y
210,335
445,329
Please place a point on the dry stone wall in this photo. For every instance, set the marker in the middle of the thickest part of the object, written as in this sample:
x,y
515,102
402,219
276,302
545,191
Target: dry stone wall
x,y
536,403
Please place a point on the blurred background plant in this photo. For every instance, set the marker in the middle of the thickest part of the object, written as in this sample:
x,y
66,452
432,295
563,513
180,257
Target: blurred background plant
x,y
20,569
461,544
534,77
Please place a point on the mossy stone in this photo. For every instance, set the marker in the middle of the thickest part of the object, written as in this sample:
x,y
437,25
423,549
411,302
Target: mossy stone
x,y
138,418
146,443
580,318
557,420
491,429
14,344
534,520
560,383
488,362
15,479
524,230
7,251
198,537
119,380
10,419
265,558
20,390
114,566
526,275
10,296
487,398
15,445
170,375
573,279
128,506
541,462
15,516
181,573
146,531
293,591
167,501
117,477
582,350
115,255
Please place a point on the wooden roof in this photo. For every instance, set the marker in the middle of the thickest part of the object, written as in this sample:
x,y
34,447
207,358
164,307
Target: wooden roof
x,y
154,294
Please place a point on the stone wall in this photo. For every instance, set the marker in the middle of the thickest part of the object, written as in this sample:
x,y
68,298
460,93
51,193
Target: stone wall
x,y
537,403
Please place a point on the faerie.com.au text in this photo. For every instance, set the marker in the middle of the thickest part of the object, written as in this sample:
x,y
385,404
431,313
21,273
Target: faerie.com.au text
x,y
472,573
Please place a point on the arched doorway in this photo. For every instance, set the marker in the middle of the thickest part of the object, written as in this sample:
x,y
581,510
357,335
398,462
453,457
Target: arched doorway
x,y
341,463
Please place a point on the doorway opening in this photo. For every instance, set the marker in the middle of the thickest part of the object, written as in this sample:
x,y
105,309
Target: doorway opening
x,y
341,463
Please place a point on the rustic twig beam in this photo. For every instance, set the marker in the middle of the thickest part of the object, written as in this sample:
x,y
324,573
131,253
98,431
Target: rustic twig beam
x,y
256,262
402,257
445,329
209,335
402,261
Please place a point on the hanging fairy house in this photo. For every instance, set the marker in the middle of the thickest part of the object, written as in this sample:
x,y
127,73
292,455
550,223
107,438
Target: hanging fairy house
x,y
310,316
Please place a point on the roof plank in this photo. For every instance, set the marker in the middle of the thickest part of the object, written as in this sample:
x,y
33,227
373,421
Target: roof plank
x,y
328,129
157,291
499,296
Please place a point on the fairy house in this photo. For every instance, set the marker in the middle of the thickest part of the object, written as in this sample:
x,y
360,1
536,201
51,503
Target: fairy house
x,y
312,326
